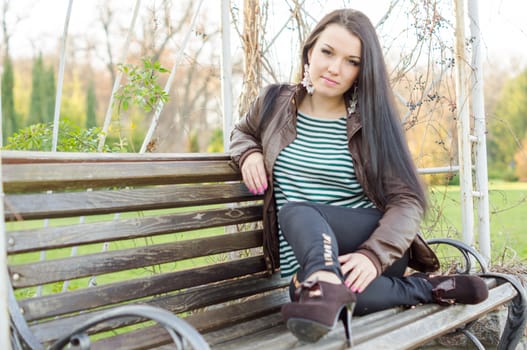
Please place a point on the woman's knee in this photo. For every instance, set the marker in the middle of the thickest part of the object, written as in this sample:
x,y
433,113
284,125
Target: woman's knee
x,y
294,216
293,209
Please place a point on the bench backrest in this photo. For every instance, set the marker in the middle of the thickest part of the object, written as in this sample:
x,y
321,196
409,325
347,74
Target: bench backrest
x,y
89,232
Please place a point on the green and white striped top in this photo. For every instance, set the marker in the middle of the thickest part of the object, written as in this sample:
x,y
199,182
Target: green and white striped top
x,y
316,167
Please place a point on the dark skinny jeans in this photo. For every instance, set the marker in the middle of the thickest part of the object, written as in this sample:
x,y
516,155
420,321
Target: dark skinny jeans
x,y
319,233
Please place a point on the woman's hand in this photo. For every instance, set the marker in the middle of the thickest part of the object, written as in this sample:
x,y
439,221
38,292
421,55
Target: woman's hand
x,y
361,271
253,173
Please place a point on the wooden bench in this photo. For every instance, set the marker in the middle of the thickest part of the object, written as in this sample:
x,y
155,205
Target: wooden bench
x,y
101,247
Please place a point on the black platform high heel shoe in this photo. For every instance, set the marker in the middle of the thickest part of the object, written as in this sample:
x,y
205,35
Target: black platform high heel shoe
x,y
319,308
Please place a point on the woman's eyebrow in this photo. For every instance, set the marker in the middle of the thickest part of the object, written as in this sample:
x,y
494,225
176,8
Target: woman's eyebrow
x,y
333,49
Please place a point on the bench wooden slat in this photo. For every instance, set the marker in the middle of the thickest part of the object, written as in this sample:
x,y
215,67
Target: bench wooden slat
x,y
276,335
34,157
439,323
119,292
370,332
177,303
230,314
237,312
46,177
55,205
374,328
216,317
43,272
269,324
239,287
119,229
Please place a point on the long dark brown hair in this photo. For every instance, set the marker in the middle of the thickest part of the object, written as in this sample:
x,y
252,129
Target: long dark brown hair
x,y
382,135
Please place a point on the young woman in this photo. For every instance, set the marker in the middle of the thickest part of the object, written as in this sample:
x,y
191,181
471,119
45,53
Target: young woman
x,y
342,198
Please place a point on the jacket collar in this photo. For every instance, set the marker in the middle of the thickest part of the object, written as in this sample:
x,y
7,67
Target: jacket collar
x,y
354,123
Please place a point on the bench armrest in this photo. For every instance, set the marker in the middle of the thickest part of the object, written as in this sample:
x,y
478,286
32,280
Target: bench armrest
x,y
466,250
517,308
181,332
517,311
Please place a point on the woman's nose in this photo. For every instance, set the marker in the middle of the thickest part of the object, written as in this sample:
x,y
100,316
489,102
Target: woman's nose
x,y
334,66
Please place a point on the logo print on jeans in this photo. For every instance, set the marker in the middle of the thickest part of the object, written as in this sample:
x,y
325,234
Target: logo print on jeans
x,y
327,249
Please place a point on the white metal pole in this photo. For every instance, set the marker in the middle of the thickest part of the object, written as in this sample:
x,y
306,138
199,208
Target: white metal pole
x,y
226,73
478,108
4,313
1,76
1,114
168,85
124,54
463,128
60,80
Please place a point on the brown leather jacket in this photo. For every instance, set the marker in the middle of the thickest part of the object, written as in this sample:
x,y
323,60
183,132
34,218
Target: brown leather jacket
x,y
402,214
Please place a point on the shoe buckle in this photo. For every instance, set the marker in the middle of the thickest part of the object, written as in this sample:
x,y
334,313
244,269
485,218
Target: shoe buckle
x,y
312,287
441,289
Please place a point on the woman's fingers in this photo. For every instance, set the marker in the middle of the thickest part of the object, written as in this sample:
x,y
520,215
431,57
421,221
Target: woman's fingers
x,y
359,280
253,173
344,266
359,271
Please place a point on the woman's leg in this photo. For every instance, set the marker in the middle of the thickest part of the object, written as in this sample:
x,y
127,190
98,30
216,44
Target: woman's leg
x,y
391,289
318,234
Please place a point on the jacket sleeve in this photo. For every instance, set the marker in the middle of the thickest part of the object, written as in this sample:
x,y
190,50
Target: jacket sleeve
x,y
245,136
397,228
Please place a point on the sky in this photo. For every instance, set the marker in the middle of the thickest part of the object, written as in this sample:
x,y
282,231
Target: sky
x,y
503,22
504,26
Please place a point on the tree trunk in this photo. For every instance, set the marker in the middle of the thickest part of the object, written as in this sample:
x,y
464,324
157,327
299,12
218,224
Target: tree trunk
x,y
252,54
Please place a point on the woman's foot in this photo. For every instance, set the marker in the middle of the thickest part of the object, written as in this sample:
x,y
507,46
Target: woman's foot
x,y
322,276
319,307
452,289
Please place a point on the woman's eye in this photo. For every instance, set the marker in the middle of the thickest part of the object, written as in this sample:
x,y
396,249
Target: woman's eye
x,y
326,52
354,63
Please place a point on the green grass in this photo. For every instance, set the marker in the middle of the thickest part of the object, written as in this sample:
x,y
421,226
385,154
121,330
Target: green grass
x,y
508,218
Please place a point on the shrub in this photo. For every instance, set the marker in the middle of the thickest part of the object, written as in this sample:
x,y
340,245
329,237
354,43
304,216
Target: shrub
x,y
71,138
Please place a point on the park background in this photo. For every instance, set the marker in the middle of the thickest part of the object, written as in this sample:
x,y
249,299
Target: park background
x,y
185,38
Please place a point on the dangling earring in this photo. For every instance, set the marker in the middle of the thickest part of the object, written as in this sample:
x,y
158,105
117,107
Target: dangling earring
x,y
353,101
306,82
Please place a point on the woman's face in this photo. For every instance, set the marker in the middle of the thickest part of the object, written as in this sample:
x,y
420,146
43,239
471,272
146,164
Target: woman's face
x,y
334,61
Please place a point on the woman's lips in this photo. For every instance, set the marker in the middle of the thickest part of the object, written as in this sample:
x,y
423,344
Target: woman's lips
x,y
329,81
